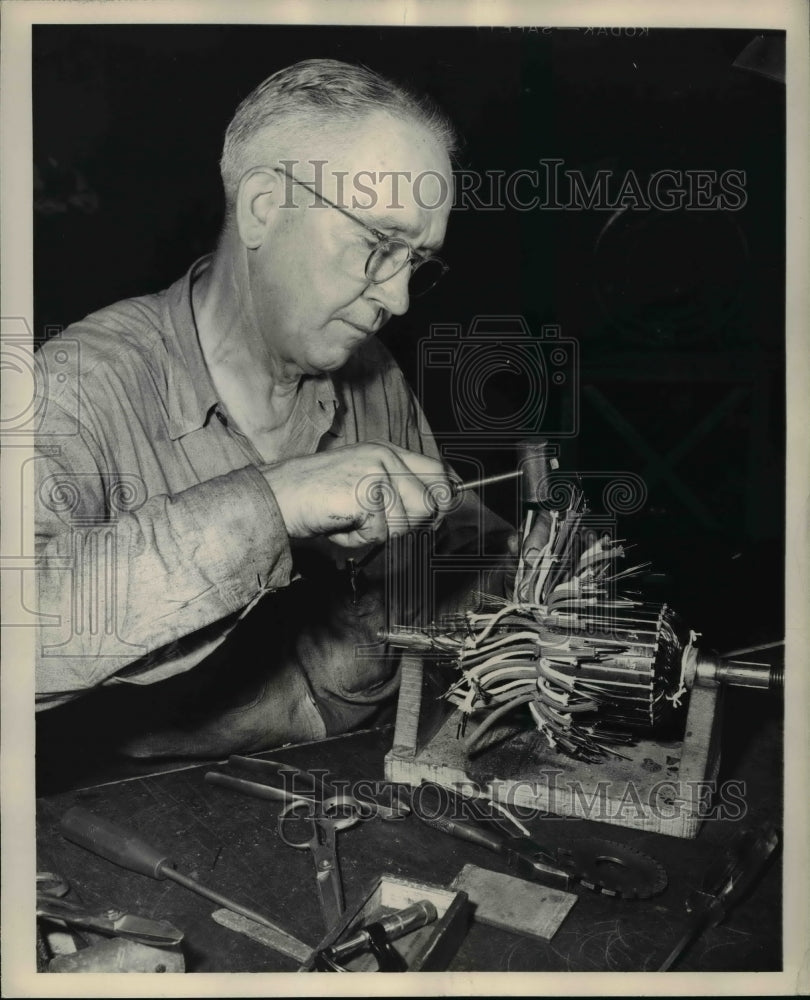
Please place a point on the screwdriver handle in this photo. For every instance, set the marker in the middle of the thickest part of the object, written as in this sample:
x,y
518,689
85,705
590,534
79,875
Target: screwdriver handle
x,y
122,847
114,843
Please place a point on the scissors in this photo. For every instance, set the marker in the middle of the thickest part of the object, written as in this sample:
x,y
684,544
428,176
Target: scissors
x,y
325,814
324,818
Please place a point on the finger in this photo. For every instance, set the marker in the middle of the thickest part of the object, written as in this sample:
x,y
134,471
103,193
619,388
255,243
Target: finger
x,y
382,498
430,489
423,466
372,530
341,522
348,540
413,504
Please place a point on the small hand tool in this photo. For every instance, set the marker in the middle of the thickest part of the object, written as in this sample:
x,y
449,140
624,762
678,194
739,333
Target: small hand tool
x,y
725,884
303,792
325,819
51,906
283,782
377,938
475,484
258,932
116,844
600,865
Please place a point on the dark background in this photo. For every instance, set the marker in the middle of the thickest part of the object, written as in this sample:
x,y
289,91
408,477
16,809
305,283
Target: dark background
x,y
679,317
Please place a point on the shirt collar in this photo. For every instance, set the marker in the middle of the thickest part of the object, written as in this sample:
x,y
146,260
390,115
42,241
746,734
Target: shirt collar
x,y
192,395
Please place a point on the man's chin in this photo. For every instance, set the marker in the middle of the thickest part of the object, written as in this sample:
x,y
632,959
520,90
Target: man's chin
x,y
338,358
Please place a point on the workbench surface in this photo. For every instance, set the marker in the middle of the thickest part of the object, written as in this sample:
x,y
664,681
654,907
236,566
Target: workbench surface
x,y
230,842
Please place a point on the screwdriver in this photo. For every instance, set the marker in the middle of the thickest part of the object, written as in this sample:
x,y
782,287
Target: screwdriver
x,y
124,848
474,484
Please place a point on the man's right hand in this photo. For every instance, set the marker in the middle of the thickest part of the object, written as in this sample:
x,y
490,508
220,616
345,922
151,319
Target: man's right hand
x,y
360,494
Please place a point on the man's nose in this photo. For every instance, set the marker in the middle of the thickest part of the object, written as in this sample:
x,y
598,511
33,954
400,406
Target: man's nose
x,y
393,294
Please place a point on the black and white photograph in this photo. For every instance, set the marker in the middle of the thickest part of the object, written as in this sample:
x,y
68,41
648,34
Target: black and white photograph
x,y
404,498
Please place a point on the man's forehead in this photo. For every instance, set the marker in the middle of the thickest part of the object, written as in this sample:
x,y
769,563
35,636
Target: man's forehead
x,y
401,143
380,152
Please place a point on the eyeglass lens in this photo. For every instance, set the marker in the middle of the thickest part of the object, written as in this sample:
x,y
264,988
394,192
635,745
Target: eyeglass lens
x,y
389,258
425,277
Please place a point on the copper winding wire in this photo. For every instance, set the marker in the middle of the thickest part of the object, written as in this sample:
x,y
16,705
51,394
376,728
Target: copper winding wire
x,y
618,666
567,644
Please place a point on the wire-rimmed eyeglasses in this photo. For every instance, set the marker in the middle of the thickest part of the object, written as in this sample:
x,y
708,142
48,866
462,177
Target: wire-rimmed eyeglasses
x,y
391,253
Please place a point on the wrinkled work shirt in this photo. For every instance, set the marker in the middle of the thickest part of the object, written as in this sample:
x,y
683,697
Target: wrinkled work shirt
x,y
155,527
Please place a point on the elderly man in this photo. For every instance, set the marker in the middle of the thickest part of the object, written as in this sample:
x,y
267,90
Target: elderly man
x,y
206,523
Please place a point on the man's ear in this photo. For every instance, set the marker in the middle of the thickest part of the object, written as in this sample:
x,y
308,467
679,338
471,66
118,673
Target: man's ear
x,y
261,190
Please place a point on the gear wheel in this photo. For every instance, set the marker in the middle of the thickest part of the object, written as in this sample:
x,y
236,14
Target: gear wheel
x,y
612,868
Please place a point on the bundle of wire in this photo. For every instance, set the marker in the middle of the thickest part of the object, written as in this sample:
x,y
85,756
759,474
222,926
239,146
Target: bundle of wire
x,y
589,661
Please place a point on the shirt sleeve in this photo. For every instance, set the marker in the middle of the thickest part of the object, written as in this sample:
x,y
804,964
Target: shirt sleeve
x,y
122,579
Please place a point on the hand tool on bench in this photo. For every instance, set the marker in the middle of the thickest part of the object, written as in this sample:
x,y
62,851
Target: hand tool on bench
x,y
377,938
322,821
308,822
270,779
116,923
600,865
118,942
122,847
725,884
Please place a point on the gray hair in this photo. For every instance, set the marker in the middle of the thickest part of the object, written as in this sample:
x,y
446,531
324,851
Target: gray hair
x,y
321,93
